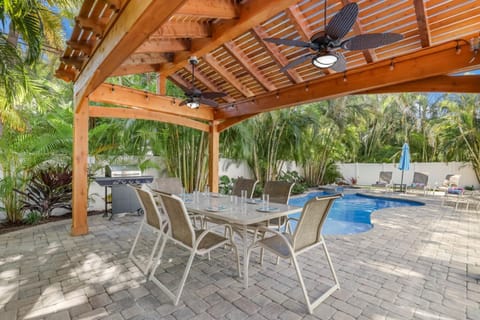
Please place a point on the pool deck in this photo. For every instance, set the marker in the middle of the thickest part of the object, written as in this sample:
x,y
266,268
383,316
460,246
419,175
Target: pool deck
x,y
421,263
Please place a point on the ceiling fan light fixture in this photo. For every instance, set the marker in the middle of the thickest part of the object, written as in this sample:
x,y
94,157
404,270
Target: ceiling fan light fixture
x,y
193,104
325,60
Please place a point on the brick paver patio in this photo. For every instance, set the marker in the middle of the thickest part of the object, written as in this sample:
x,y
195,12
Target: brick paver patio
x,y
416,263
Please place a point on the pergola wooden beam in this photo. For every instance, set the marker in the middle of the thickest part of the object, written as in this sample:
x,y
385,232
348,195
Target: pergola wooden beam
x,y
423,25
95,26
299,22
85,46
213,9
458,84
182,29
128,113
279,58
251,13
136,22
132,69
122,96
249,66
233,121
419,65
164,45
210,59
151,58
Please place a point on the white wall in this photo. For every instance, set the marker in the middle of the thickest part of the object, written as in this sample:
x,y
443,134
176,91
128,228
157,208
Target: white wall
x,y
367,173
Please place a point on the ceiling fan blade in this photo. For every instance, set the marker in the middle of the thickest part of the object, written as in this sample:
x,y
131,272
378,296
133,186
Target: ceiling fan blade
x,y
208,102
298,61
288,42
342,22
370,40
341,64
213,95
186,90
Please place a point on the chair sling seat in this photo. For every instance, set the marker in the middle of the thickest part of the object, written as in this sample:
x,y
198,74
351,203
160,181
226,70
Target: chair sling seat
x,y
210,241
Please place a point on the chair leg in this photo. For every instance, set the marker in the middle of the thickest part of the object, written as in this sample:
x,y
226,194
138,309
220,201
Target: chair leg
x,y
130,255
330,264
174,297
184,278
311,305
134,259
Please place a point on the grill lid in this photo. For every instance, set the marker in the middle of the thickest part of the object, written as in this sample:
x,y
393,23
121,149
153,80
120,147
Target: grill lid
x,y
122,171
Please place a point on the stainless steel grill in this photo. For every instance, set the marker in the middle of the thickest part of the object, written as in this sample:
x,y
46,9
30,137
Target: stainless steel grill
x,y
122,171
117,178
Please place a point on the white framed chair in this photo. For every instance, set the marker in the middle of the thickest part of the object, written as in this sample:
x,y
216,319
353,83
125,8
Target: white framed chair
x,y
152,219
307,236
181,233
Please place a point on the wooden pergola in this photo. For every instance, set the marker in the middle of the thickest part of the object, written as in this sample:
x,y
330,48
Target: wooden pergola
x,y
122,37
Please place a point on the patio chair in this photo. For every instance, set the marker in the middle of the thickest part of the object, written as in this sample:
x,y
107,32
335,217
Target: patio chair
x,y
384,179
172,185
153,221
420,182
181,233
307,236
451,181
244,184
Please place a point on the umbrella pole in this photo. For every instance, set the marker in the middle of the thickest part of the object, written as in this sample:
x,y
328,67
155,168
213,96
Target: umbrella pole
x,y
401,183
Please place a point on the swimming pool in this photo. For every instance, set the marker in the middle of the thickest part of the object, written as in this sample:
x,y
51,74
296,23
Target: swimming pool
x,y
351,214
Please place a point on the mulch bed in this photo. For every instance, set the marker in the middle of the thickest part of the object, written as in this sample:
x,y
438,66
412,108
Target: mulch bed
x,y
6,227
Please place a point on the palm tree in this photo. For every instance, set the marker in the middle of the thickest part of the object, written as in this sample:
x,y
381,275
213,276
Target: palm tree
x,y
460,130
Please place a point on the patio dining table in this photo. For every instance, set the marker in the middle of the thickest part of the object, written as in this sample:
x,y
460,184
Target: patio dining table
x,y
236,211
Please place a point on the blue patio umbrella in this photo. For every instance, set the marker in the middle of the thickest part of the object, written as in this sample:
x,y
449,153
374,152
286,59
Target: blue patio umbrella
x,y
404,161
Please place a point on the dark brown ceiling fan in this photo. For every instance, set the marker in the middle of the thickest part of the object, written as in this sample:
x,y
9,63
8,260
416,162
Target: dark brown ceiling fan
x,y
194,96
325,43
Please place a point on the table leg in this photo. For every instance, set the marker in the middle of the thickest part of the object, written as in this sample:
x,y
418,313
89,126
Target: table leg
x,y
245,259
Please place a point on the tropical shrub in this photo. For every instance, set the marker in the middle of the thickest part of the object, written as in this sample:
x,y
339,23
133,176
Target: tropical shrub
x,y
49,188
292,176
225,185
33,217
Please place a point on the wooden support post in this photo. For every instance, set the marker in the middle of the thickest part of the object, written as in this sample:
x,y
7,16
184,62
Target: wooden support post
x,y
213,159
80,171
162,85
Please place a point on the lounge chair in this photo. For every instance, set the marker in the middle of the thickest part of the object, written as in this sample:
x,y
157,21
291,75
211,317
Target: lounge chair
x,y
154,221
384,179
244,184
181,232
451,181
306,237
420,182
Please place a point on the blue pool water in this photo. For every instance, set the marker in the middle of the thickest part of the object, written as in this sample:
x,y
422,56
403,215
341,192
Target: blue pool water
x,y
351,214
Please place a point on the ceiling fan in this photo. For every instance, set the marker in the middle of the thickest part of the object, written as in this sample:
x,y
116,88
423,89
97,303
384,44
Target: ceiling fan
x,y
324,43
195,96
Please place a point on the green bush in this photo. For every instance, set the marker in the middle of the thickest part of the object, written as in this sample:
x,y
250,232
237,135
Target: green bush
x,y
300,185
48,188
225,185
33,217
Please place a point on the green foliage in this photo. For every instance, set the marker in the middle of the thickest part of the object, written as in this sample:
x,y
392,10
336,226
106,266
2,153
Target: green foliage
x,y
331,174
300,185
47,189
225,185
33,217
